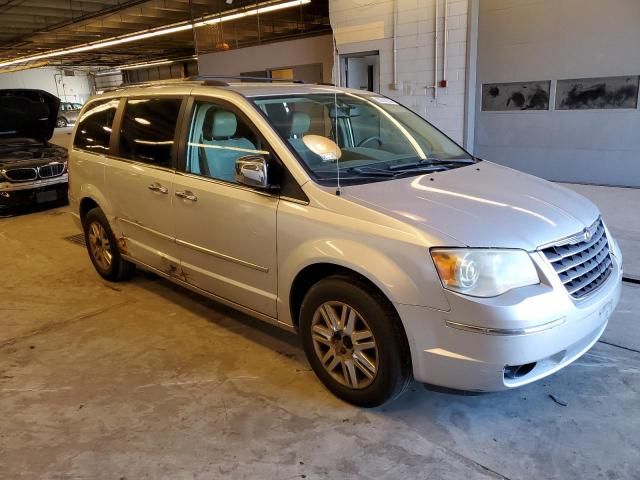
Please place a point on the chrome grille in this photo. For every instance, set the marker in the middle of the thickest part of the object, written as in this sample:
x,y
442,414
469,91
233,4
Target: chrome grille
x,y
21,174
583,263
51,170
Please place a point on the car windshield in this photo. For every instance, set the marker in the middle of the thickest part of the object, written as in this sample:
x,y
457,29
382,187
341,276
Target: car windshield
x,y
379,138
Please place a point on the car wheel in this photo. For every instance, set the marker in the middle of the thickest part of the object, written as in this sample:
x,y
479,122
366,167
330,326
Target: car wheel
x,y
61,122
103,248
354,341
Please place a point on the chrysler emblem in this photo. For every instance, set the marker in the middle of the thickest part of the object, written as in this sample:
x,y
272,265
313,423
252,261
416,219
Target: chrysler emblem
x,y
587,235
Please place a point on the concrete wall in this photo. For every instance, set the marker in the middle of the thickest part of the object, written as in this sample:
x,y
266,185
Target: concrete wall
x,y
368,26
560,39
75,88
271,56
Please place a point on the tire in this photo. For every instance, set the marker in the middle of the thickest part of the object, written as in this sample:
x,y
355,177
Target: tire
x,y
103,249
368,333
61,122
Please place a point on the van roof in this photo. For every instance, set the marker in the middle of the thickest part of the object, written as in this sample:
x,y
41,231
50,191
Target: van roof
x,y
246,88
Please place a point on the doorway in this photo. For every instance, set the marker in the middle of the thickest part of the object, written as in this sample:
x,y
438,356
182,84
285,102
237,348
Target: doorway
x,y
361,71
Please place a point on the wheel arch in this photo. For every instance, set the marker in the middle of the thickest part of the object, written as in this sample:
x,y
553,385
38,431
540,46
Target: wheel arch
x,y
312,274
86,204
90,196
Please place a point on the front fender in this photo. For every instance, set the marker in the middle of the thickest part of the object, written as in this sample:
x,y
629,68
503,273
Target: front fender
x,y
404,273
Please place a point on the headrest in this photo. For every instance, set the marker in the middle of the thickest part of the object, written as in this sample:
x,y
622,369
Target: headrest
x,y
224,124
300,123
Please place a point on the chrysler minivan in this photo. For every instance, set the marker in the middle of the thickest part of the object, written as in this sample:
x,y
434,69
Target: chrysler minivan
x,y
343,216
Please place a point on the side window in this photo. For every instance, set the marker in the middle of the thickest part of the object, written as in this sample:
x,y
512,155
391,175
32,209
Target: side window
x,y
218,136
148,129
94,126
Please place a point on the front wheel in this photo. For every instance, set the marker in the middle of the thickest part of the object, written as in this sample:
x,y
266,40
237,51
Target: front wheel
x,y
103,248
61,122
354,341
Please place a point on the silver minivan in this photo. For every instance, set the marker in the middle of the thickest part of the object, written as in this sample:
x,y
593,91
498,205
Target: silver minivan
x,y
343,216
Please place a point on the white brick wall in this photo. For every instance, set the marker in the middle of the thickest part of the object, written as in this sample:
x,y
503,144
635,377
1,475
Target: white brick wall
x,y
415,52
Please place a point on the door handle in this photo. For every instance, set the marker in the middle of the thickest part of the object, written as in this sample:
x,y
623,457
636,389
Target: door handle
x,y
156,187
187,195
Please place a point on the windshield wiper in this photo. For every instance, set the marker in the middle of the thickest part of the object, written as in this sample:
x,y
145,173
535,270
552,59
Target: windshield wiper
x,y
371,171
433,162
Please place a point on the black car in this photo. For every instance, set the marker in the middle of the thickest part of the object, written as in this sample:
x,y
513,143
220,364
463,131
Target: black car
x,y
32,170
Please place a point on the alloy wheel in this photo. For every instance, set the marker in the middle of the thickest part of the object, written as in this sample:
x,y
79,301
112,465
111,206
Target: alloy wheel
x,y
345,344
100,245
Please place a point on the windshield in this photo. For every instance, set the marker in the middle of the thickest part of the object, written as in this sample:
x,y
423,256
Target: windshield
x,y
379,139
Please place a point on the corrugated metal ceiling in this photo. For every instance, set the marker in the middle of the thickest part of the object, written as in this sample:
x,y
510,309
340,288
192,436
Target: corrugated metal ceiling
x,y
29,27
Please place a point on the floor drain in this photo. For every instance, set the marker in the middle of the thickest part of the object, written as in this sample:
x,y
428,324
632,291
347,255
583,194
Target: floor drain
x,y
78,239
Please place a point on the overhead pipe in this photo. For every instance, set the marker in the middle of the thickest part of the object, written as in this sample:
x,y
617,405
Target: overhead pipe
x,y
395,44
443,82
435,55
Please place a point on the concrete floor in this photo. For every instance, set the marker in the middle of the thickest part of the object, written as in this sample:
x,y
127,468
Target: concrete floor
x,y
144,380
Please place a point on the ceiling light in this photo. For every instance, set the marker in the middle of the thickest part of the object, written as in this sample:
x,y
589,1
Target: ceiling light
x,y
264,7
105,73
132,66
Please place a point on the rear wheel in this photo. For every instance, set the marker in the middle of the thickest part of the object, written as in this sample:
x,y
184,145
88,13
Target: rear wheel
x,y
103,248
61,122
354,341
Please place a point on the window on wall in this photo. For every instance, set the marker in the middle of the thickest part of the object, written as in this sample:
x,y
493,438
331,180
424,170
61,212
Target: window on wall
x,y
148,130
515,96
597,93
93,132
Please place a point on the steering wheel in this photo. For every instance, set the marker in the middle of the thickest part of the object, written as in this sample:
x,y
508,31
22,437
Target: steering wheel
x,y
370,139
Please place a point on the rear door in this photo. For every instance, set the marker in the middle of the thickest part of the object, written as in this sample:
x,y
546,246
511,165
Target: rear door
x,y
139,179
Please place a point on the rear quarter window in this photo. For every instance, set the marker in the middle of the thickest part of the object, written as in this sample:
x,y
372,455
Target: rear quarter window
x,y
94,126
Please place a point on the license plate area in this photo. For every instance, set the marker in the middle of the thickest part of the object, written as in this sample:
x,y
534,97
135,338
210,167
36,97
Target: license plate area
x,y
46,196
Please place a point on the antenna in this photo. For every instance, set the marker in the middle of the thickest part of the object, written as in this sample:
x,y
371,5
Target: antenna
x,y
337,115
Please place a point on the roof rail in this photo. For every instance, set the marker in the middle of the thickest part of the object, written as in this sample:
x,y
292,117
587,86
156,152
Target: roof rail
x,y
220,79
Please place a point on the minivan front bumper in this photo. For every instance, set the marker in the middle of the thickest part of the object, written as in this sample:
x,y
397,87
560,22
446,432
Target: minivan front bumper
x,y
491,344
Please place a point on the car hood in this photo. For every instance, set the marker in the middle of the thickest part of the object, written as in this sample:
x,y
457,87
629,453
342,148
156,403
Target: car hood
x,y
481,205
26,113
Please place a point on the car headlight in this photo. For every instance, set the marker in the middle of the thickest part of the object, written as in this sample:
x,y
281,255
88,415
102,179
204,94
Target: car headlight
x,y
484,272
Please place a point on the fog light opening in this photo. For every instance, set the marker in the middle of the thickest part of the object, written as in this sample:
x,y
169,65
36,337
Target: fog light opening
x,y
513,372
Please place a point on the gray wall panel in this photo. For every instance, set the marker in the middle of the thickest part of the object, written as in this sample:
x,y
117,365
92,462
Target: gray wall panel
x,y
560,39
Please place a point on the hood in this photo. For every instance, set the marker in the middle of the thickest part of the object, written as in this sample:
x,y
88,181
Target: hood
x,y
27,113
481,205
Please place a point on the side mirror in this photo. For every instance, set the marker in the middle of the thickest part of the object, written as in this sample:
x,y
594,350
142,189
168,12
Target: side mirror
x,y
251,170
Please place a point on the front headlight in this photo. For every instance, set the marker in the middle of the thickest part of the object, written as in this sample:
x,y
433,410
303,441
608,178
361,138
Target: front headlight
x,y
484,272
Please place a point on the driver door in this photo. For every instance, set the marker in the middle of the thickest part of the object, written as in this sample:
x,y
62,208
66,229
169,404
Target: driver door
x,y
225,232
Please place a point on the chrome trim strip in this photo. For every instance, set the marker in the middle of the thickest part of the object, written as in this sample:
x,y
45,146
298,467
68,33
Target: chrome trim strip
x,y
146,229
228,258
572,239
9,186
294,200
224,301
506,331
